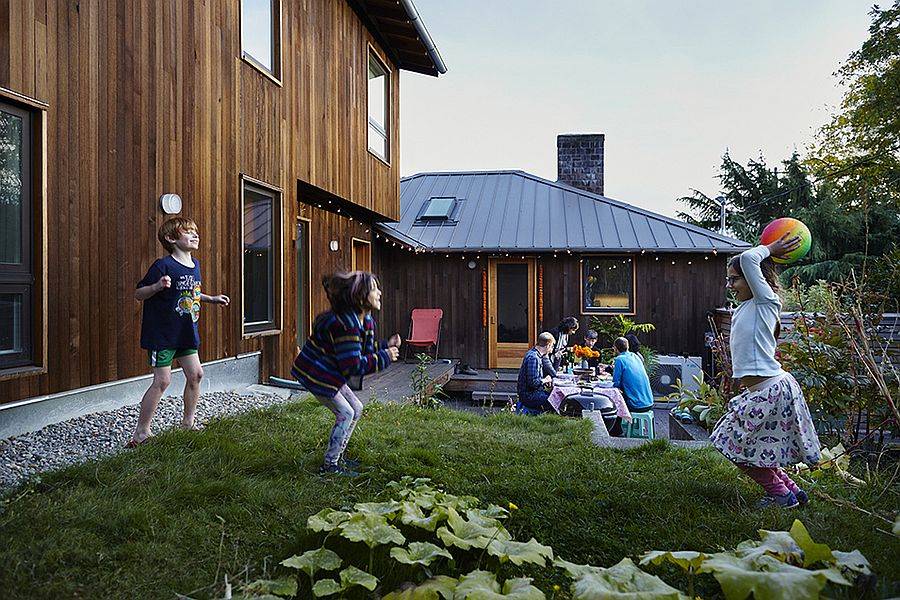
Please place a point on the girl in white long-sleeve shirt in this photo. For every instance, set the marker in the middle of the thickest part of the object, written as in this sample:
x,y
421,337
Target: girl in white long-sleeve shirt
x,y
767,426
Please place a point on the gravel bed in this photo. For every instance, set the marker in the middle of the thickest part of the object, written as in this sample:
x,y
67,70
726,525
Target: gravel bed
x,y
105,433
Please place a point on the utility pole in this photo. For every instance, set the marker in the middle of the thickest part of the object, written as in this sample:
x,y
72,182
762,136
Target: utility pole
x,y
721,201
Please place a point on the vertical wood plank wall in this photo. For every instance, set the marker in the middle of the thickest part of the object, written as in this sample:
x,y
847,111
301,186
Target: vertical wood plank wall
x,y
151,96
676,298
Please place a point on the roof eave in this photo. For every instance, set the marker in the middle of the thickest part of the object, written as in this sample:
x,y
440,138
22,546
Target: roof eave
x,y
402,34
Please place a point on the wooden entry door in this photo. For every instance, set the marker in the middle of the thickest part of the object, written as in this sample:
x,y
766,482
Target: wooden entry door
x,y
512,311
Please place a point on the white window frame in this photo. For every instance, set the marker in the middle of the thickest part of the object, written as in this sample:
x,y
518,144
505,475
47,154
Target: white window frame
x,y
386,131
275,72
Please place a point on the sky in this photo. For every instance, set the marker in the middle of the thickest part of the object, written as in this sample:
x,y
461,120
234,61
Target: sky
x,y
672,84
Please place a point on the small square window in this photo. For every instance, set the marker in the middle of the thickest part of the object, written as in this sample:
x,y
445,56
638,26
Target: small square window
x,y
438,209
607,285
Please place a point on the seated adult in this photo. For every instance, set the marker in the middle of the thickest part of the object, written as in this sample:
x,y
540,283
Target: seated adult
x,y
630,376
634,344
561,333
590,340
530,386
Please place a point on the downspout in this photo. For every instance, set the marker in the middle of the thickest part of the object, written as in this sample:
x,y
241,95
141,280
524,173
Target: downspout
x,y
424,36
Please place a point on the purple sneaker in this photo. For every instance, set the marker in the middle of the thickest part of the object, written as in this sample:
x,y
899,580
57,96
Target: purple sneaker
x,y
802,497
789,500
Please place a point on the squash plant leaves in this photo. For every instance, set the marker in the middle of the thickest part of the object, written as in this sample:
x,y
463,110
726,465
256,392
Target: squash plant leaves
x,y
419,553
372,529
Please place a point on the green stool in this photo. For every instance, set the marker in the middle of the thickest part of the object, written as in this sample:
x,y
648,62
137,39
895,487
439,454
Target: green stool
x,y
641,425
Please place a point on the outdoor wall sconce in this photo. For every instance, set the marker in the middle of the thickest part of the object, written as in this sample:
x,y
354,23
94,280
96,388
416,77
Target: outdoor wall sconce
x,y
472,264
333,245
170,203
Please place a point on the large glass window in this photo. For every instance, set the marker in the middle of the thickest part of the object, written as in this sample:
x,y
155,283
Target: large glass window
x,y
379,105
607,284
261,226
16,275
260,33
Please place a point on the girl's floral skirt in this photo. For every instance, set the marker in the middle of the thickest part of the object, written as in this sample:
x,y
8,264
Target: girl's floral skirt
x,y
768,427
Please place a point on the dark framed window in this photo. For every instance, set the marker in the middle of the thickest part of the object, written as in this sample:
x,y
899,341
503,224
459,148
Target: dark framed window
x,y
261,35
607,285
261,245
16,236
379,102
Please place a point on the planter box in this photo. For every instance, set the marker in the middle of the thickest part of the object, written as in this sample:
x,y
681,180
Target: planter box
x,y
684,431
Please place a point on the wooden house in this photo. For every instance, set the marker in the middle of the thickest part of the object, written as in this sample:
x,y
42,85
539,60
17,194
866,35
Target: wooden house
x,y
507,255
275,123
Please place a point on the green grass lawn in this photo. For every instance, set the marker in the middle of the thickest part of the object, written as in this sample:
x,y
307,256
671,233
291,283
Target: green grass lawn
x,y
176,515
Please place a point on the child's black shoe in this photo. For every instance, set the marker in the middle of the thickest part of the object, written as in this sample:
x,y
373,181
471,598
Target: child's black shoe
x,y
336,470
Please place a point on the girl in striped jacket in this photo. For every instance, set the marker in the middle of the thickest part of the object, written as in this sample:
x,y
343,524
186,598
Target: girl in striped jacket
x,y
343,345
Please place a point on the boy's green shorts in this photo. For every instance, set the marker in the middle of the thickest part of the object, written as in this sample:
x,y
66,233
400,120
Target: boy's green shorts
x,y
164,358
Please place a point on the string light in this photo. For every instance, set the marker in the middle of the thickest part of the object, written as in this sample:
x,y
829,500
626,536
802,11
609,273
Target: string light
x,y
657,258
673,262
705,258
367,231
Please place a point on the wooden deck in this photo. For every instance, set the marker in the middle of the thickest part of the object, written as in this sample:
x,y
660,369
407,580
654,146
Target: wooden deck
x,y
487,380
395,384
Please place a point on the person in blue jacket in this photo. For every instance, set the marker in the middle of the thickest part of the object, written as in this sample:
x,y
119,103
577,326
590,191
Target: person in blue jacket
x,y
630,376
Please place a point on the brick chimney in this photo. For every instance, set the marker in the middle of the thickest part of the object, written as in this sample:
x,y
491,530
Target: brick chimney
x,y
580,161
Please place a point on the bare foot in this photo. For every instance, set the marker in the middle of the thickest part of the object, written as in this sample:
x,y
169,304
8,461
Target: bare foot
x,y
191,426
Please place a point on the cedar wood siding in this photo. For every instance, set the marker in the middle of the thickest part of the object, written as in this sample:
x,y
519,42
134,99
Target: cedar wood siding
x,y
151,96
675,298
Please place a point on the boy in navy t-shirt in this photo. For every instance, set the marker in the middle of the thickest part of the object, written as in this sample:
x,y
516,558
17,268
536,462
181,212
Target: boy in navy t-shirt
x,y
171,295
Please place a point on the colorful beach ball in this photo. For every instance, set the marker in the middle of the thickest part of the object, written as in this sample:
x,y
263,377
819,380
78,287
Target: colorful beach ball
x,y
778,228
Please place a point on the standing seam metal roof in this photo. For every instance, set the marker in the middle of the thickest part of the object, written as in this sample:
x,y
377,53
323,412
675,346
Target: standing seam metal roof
x,y
514,211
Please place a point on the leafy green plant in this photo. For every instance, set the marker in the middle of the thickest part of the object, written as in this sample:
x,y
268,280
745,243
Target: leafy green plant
x,y
426,393
781,565
706,404
813,298
618,326
476,544
651,359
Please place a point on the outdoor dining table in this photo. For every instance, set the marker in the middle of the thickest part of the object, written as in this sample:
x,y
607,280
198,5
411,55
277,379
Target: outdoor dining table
x,y
564,386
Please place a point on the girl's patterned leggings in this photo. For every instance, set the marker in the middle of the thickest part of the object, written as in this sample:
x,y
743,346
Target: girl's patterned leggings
x,y
772,479
347,409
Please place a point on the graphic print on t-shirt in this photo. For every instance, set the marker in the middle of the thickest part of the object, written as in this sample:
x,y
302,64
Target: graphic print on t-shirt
x,y
188,297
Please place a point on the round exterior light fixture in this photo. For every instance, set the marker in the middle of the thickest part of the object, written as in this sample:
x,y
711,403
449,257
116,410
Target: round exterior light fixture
x,y
472,264
170,203
333,245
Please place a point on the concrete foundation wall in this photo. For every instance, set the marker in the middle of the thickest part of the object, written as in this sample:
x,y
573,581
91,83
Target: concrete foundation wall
x,y
32,414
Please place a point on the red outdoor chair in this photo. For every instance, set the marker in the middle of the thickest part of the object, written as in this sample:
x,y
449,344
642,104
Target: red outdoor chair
x,y
424,329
